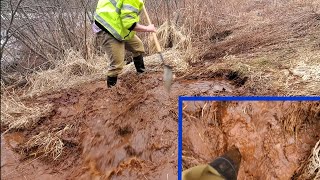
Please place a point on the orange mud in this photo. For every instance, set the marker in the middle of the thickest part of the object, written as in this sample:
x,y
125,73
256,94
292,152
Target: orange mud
x,y
268,151
127,132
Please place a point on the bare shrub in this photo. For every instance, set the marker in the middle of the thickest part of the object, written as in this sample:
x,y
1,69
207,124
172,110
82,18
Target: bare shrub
x,y
37,31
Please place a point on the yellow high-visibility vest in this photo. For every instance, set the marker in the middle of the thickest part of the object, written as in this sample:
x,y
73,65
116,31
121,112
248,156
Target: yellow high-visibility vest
x,y
117,16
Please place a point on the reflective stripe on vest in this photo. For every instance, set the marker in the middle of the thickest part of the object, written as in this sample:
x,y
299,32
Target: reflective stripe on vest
x,y
130,8
108,27
114,3
128,16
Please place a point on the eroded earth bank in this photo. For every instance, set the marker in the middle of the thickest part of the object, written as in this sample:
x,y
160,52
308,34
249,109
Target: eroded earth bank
x,y
274,138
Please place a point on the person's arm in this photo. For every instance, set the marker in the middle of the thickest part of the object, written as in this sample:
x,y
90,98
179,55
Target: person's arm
x,y
130,18
142,28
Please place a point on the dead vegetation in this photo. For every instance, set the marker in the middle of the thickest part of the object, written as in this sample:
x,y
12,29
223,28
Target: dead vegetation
x,y
15,115
298,115
70,71
276,46
170,37
311,168
33,31
46,143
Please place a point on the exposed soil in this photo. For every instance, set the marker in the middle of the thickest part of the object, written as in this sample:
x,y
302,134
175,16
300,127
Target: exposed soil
x,y
258,129
127,132
130,131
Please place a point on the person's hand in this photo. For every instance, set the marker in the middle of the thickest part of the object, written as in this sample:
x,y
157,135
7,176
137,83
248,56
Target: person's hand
x,y
151,28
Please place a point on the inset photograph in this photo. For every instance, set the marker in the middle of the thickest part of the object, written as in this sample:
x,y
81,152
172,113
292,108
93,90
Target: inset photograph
x,y
250,140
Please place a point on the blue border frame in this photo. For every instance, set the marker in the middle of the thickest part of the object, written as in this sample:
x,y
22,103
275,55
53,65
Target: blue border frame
x,y
227,98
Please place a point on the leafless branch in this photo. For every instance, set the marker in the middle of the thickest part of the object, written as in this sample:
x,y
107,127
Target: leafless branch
x,y
8,29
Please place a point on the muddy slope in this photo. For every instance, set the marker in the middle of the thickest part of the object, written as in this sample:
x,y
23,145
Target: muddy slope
x,y
128,132
269,151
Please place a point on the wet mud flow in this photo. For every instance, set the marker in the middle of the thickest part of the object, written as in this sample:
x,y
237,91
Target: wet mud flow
x,y
128,132
272,140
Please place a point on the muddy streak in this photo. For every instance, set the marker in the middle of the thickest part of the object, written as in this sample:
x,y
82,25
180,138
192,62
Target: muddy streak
x,y
268,151
131,136
135,137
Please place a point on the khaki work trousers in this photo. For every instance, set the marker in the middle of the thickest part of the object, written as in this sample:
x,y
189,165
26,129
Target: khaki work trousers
x,y
106,43
201,172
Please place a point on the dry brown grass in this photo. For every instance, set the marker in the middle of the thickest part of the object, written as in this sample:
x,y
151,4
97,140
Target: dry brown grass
x,y
277,72
311,170
299,114
17,115
274,43
169,36
47,143
277,46
68,72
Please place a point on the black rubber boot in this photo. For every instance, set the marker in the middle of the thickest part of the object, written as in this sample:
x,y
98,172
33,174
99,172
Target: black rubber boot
x,y
111,81
228,164
139,64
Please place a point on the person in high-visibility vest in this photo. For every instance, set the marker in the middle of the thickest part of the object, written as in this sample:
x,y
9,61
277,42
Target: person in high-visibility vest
x,y
116,22
224,167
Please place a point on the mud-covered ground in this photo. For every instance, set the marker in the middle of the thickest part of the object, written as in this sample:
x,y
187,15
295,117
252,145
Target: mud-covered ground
x,y
130,131
127,132
274,138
